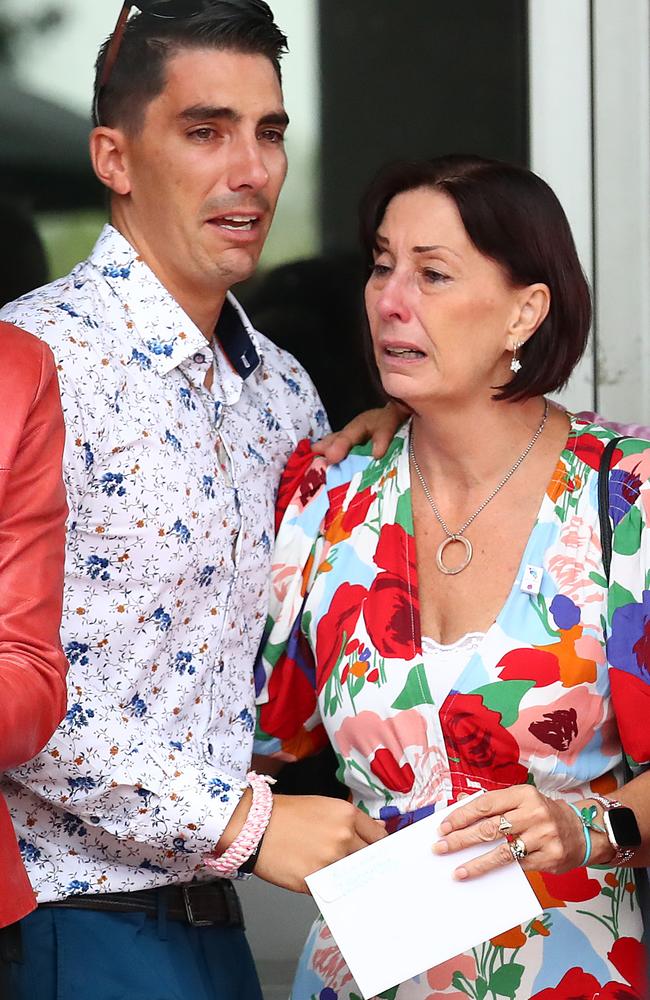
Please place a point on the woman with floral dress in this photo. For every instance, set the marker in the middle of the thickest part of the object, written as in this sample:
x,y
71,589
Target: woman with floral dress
x,y
442,615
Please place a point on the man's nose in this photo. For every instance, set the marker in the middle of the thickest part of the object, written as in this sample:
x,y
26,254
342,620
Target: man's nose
x,y
393,301
248,168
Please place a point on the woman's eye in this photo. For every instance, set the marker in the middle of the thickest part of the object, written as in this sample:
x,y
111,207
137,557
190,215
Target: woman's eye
x,y
380,270
433,276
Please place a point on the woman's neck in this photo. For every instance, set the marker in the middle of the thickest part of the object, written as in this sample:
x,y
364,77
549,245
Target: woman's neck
x,y
466,448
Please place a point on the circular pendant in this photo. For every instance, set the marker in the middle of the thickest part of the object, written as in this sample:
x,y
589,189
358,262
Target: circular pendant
x,y
441,548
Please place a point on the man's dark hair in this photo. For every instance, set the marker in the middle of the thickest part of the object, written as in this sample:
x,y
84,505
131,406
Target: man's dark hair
x,y
139,73
513,217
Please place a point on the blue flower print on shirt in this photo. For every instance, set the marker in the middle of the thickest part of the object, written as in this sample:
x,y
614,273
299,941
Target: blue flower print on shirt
x,y
162,619
291,384
266,542
179,845
205,576
140,359
186,399
158,347
29,852
76,886
137,706
256,455
76,653
115,271
182,531
84,784
219,789
112,483
89,458
73,825
145,795
208,487
173,441
247,720
183,662
271,421
97,568
76,717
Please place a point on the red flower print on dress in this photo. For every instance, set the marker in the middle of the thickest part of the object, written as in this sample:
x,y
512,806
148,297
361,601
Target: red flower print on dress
x,y
304,470
629,959
631,698
589,449
574,886
529,665
339,521
335,629
478,745
386,768
391,611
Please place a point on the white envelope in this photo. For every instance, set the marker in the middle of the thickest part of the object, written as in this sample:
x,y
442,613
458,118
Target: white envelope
x,y
395,911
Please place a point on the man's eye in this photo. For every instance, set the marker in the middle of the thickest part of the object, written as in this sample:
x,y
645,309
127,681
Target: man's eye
x,y
203,134
272,135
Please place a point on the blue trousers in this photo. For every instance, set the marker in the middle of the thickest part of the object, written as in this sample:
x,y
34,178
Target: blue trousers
x,y
71,954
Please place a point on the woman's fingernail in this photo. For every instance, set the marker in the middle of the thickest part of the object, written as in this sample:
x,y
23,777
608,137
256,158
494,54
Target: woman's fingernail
x,y
445,827
441,847
460,874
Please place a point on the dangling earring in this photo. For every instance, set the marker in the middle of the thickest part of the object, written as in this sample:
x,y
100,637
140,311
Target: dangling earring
x,y
515,364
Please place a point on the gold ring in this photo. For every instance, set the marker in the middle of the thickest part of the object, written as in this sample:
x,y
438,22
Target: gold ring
x,y
518,849
504,825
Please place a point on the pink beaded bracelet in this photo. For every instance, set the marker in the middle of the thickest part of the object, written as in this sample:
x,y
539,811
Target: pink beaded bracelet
x,y
228,864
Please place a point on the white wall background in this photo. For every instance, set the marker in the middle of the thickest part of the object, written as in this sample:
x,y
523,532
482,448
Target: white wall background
x,y
590,138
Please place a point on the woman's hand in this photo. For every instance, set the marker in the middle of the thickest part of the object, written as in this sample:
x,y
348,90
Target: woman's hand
x,y
551,832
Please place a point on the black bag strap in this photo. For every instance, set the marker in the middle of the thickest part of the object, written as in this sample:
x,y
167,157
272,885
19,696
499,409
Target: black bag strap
x,y
606,532
603,503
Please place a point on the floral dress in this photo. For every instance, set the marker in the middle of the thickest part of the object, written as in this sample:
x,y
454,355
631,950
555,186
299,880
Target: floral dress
x,y
550,696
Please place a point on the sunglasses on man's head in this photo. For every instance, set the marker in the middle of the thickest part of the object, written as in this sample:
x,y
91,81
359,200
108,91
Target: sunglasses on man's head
x,y
170,9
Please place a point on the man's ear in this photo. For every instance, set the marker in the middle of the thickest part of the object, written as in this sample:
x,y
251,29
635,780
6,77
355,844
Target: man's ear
x,y
531,310
107,153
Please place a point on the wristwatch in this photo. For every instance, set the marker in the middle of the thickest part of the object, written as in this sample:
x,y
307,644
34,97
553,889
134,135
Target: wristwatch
x,y
621,828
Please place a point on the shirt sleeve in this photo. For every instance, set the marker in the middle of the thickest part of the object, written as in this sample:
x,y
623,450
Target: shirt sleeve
x,y
32,538
123,776
628,645
288,721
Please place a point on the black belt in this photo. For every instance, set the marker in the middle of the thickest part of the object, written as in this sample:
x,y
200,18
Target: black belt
x,y
200,904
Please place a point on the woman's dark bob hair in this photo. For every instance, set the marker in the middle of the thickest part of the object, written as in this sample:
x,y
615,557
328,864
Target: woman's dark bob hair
x,y
512,216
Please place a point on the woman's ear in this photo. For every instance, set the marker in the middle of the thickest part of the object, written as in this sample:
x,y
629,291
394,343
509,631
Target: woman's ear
x,y
532,309
107,153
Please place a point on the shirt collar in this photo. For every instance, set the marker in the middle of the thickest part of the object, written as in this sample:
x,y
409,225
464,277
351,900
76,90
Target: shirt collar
x,y
149,307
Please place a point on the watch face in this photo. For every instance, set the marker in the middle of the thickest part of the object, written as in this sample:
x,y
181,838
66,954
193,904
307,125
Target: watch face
x,y
622,827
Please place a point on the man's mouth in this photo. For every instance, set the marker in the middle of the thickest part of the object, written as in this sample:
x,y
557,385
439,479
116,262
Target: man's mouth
x,y
236,223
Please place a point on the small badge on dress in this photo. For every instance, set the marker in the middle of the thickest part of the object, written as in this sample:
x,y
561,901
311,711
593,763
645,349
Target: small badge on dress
x,y
532,580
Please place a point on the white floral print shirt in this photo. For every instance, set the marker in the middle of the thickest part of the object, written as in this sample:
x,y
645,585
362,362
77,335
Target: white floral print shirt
x,y
171,490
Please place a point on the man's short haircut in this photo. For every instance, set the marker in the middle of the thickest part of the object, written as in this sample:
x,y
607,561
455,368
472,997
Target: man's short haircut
x,y
513,217
139,73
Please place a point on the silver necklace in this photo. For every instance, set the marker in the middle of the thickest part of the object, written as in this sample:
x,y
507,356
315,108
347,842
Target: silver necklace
x,y
459,536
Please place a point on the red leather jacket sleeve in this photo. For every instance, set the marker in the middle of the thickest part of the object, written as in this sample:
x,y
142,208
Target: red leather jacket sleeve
x,y
32,535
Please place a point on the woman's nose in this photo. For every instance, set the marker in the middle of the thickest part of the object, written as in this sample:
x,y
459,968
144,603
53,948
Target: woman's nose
x,y
392,303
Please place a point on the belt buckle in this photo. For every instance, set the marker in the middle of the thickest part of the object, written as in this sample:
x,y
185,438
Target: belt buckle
x,y
191,919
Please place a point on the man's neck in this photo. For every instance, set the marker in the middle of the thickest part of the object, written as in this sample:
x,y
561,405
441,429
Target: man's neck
x,y
202,306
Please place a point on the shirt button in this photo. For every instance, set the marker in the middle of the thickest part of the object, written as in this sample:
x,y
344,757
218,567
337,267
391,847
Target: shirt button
x,y
199,358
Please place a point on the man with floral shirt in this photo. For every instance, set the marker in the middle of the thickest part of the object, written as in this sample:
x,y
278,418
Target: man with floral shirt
x,y
180,418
